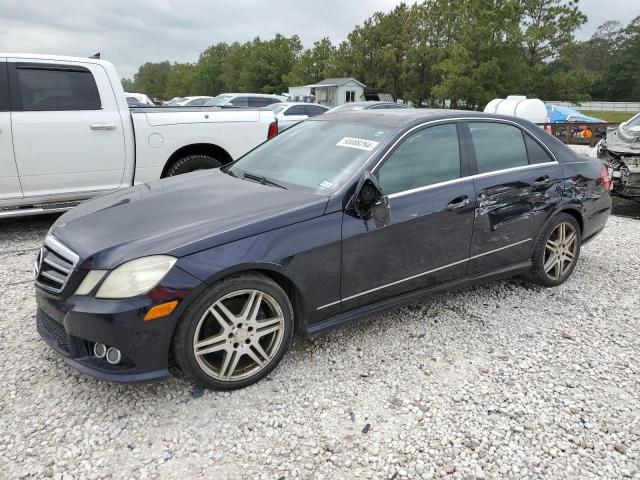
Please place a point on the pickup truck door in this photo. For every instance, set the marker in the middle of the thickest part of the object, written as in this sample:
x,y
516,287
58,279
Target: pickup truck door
x,y
67,129
9,183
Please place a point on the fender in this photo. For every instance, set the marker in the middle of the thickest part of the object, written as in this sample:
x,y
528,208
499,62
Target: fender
x,y
571,208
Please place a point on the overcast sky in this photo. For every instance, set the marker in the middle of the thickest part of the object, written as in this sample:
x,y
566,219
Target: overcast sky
x,y
129,33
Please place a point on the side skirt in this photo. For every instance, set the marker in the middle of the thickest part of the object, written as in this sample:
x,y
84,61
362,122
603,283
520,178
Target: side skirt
x,y
367,311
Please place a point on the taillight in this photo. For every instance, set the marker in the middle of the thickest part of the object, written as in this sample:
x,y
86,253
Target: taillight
x,y
605,179
273,130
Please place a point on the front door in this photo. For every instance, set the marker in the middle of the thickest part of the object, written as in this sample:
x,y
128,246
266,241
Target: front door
x,y
9,183
419,235
517,184
67,137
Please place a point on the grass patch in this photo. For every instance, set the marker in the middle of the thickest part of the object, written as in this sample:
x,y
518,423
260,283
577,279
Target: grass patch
x,y
611,117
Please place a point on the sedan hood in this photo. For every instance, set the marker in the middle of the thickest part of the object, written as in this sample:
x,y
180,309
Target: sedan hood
x,y
178,216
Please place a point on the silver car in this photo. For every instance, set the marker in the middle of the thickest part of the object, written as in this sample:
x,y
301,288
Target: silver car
x,y
288,114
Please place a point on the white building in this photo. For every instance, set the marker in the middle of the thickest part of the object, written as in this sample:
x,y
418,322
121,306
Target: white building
x,y
337,91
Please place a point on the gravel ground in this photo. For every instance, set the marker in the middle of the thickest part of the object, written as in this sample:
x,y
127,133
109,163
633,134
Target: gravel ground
x,y
506,380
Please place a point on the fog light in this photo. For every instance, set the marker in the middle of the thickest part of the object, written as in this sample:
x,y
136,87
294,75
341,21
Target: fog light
x,y
99,350
113,355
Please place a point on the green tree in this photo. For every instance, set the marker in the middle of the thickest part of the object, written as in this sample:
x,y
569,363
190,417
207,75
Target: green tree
x,y
128,85
151,78
547,26
181,81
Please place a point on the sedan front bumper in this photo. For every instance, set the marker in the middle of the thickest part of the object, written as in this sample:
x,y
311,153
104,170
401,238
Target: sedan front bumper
x,y
72,326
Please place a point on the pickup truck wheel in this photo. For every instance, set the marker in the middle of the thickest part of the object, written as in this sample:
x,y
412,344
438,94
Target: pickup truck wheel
x,y
235,333
191,163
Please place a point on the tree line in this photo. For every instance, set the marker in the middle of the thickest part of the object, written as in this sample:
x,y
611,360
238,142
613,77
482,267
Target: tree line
x,y
466,51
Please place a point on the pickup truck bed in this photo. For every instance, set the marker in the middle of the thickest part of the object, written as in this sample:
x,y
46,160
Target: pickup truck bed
x,y
67,134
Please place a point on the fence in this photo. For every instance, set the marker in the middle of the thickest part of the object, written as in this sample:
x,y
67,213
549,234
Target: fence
x,y
630,107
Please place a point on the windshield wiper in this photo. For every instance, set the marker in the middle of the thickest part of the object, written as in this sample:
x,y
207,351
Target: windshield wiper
x,y
263,180
228,171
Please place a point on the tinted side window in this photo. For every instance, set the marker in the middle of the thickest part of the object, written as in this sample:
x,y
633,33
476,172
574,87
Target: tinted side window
x,y
53,89
313,110
426,157
296,110
240,102
498,146
269,101
4,88
537,154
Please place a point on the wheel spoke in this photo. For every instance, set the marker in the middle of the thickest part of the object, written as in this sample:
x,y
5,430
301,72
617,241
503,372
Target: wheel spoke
x,y
551,262
267,326
229,364
212,344
561,233
570,238
259,356
252,307
225,318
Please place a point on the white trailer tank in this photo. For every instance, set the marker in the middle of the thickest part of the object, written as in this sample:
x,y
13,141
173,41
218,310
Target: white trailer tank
x,y
532,109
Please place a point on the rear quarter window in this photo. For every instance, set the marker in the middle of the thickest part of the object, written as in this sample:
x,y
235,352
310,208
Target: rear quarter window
x,y
55,88
536,153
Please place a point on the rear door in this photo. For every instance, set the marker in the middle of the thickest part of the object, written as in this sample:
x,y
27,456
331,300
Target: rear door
x,y
9,183
67,131
518,183
420,234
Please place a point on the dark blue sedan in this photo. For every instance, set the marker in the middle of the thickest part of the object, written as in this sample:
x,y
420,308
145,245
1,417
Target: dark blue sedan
x,y
336,219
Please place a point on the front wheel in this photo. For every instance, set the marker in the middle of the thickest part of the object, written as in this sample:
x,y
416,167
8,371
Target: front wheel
x,y
557,251
235,333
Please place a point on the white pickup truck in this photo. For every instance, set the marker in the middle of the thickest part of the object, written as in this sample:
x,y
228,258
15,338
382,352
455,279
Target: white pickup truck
x,y
67,134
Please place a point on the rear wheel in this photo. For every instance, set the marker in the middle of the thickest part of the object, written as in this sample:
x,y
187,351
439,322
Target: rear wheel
x,y
235,333
191,163
557,251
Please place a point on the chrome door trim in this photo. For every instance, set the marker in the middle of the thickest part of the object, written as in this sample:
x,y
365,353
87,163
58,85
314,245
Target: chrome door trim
x,y
422,274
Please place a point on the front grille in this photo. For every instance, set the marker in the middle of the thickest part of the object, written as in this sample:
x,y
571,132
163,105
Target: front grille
x,y
54,329
54,265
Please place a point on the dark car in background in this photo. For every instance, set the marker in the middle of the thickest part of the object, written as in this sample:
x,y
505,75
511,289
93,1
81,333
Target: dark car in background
x,y
342,217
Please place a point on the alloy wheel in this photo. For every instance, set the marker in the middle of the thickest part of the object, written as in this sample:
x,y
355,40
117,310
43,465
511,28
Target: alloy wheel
x,y
560,250
238,335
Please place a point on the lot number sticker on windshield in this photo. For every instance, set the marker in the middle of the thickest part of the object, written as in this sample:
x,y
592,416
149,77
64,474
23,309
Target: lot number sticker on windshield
x,y
359,143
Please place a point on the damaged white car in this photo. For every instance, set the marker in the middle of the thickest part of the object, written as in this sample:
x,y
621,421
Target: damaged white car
x,y
620,150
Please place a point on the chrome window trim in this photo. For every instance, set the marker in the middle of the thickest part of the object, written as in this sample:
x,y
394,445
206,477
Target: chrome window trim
x,y
477,175
412,277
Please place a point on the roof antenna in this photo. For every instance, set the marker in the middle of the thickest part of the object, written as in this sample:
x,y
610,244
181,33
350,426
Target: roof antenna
x,y
95,55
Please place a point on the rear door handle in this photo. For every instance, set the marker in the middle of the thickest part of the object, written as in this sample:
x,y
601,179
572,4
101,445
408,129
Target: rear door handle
x,y
458,203
542,182
103,126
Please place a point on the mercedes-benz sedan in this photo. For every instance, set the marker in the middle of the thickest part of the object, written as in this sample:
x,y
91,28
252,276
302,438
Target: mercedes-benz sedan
x,y
336,219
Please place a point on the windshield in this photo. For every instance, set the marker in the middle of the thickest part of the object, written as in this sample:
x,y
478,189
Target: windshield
x,y
635,121
277,108
316,155
219,101
347,107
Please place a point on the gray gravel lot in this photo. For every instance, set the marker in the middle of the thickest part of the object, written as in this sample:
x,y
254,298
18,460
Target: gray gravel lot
x,y
506,380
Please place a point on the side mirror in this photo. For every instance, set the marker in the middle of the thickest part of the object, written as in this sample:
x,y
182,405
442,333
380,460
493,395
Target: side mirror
x,y
366,195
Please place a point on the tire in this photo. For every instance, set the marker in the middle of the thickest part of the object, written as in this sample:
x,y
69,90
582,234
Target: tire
x,y
236,347
552,264
191,163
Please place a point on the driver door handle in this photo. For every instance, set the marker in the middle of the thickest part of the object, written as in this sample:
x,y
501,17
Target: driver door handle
x,y
103,126
542,182
458,203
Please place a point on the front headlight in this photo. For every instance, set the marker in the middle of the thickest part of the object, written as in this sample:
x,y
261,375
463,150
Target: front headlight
x,y
135,277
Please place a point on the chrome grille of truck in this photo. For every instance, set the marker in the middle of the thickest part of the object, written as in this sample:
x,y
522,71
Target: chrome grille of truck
x,y
54,265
